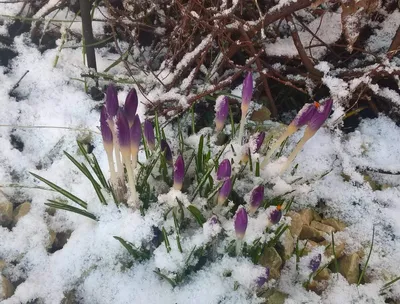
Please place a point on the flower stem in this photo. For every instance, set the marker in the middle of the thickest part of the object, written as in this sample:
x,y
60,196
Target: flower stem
x,y
241,129
239,247
289,131
307,135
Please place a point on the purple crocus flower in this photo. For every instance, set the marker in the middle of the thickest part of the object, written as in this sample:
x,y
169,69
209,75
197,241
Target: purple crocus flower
x,y
224,170
256,198
221,112
130,106
247,92
320,115
276,215
149,134
123,133
105,129
315,262
264,278
167,150
224,191
111,101
213,220
256,141
136,135
305,115
179,172
240,223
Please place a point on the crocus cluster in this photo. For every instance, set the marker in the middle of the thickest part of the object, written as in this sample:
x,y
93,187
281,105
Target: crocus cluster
x,y
313,115
121,130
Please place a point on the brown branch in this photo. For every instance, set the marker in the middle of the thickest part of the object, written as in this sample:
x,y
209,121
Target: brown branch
x,y
395,45
302,52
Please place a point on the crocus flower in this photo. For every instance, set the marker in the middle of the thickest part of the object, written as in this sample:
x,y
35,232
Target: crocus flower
x,y
105,130
315,262
221,112
316,121
264,278
167,150
111,101
240,223
224,170
130,106
213,220
276,215
123,134
136,135
256,198
224,191
247,92
256,141
179,172
149,134
320,115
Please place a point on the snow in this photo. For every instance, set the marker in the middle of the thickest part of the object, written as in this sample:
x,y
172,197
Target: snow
x,y
53,111
329,28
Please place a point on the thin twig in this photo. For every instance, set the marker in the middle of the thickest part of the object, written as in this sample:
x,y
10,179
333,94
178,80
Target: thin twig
x,y
17,84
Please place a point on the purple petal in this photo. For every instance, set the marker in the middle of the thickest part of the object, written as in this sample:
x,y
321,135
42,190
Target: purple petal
x,y
276,215
315,262
167,150
131,104
240,222
224,191
263,279
321,115
112,100
104,127
221,112
305,115
247,91
224,170
136,133
149,134
179,172
123,130
256,198
256,141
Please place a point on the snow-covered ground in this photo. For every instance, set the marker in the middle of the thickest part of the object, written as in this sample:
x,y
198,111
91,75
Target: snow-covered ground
x,y
53,111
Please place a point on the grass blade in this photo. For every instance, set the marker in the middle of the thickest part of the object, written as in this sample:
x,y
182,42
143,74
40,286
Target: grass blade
x,y
61,191
197,215
66,207
369,255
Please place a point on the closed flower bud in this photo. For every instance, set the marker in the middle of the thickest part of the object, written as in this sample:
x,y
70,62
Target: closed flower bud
x,y
264,278
130,107
247,92
240,223
224,170
221,112
167,150
256,141
136,135
256,198
149,134
320,115
112,100
224,191
179,172
276,215
105,129
123,133
315,262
